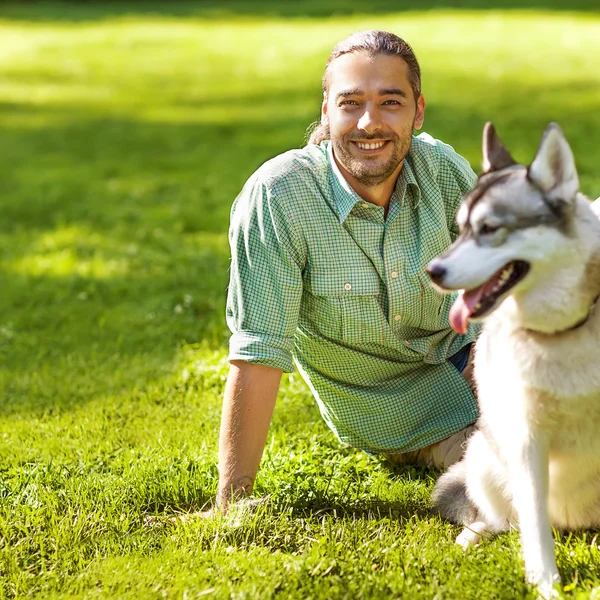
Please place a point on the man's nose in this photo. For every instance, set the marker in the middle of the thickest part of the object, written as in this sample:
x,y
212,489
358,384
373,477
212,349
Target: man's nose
x,y
369,122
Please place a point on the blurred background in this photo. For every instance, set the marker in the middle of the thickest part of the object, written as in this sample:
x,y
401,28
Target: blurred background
x,y
129,127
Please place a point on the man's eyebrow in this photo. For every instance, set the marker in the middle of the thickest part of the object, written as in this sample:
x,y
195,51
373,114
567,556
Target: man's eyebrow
x,y
382,92
353,92
393,92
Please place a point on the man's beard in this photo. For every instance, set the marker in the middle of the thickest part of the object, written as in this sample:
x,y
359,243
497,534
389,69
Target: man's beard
x,y
371,170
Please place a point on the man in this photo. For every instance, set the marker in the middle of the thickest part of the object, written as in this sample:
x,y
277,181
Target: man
x,y
329,248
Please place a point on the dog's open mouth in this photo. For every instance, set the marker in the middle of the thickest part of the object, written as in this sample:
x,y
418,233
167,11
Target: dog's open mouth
x,y
478,302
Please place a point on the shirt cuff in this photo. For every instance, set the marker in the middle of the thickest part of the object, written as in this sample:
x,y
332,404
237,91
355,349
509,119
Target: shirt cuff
x,y
262,349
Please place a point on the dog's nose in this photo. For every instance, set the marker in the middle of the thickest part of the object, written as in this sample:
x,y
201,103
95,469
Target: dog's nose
x,y
436,271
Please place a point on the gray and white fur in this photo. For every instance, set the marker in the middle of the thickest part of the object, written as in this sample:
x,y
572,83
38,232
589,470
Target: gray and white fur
x,y
527,262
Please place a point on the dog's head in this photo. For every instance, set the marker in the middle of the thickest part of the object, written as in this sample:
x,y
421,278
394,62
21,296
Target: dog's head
x,y
509,223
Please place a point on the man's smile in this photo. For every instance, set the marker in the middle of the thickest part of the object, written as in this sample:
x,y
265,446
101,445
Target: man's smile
x,y
371,147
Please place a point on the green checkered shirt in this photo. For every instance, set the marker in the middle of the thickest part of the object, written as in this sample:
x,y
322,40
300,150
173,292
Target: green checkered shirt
x,y
320,276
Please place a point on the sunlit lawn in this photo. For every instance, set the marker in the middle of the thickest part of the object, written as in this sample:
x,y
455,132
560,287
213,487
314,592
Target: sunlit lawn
x,y
126,131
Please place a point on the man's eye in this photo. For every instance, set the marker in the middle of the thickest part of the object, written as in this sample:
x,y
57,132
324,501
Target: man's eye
x,y
391,103
348,103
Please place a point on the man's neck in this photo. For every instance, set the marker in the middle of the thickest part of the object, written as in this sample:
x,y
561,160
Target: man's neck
x,y
377,194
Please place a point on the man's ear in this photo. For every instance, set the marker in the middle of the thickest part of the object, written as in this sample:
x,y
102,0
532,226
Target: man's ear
x,y
420,115
324,116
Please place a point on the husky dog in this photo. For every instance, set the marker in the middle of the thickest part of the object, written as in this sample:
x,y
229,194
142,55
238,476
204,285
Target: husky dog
x,y
528,262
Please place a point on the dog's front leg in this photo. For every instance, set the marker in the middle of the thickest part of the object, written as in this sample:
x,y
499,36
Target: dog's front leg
x,y
529,483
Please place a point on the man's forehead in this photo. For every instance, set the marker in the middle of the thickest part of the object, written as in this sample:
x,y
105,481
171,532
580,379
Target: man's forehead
x,y
361,70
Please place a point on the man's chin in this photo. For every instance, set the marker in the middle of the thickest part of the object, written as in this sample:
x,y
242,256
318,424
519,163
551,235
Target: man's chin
x,y
368,173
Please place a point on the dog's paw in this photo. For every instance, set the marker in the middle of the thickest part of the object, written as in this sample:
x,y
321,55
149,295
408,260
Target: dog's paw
x,y
547,592
546,584
471,535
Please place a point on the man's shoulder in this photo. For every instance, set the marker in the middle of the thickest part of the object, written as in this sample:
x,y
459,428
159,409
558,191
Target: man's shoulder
x,y
434,151
294,168
291,185
437,157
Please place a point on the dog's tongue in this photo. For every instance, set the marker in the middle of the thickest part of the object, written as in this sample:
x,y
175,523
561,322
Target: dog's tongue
x,y
463,308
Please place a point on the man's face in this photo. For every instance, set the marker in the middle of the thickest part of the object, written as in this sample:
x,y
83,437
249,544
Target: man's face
x,y
371,112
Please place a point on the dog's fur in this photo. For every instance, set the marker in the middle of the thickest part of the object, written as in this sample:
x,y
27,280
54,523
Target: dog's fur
x,y
534,460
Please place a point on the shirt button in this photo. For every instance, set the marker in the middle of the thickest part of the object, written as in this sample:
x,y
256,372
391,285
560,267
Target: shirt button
x,y
397,317
394,274
347,286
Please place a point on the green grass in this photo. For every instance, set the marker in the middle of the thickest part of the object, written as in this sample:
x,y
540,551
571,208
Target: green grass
x,y
126,132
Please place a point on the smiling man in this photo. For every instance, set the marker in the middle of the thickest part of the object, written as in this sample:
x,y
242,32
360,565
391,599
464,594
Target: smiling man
x,y
329,247
370,112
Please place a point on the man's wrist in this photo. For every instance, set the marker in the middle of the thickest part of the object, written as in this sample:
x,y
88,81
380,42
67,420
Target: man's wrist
x,y
234,490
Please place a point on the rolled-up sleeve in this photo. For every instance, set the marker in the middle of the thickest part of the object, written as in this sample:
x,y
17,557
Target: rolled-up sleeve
x,y
265,284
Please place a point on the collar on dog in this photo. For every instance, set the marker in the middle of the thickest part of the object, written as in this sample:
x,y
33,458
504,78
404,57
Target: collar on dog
x,y
578,324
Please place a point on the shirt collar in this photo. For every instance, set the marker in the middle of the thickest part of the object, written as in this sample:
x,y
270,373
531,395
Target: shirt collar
x,y
407,180
346,198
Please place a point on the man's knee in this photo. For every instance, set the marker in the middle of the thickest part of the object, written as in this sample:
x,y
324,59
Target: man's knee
x,y
444,454
440,455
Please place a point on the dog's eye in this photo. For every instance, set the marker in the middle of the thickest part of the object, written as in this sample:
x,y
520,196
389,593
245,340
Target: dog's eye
x,y
486,229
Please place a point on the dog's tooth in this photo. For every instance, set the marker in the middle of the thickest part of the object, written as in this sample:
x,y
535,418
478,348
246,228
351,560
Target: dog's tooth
x,y
505,275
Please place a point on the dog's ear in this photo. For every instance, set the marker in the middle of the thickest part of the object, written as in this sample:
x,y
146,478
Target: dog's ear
x,y
553,168
495,155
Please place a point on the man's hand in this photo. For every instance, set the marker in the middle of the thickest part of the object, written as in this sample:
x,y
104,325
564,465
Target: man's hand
x,y
239,505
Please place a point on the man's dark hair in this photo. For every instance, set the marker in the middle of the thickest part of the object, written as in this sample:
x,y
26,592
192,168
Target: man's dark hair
x,y
374,43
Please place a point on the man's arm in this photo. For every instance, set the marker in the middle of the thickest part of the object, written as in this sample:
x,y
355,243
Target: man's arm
x,y
263,304
250,395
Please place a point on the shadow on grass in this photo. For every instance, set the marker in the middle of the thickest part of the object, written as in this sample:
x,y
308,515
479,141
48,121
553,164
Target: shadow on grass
x,y
111,260
220,9
113,238
361,509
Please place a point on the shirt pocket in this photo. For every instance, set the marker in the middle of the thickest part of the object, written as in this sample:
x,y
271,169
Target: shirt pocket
x,y
347,305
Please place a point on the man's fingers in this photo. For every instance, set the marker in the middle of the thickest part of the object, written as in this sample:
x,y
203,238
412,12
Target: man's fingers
x,y
241,507
193,516
159,520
